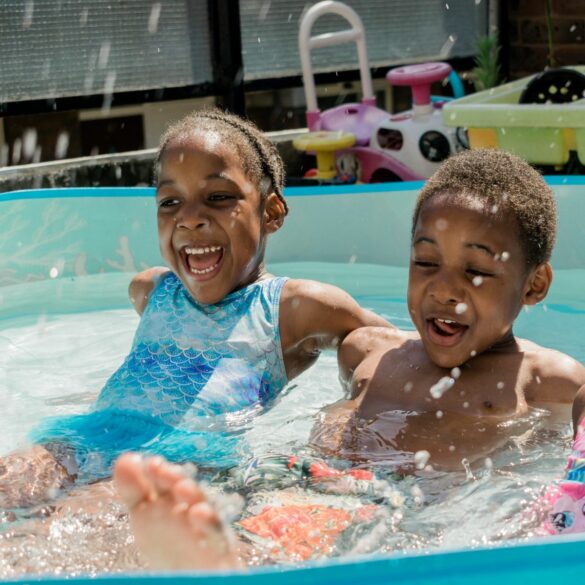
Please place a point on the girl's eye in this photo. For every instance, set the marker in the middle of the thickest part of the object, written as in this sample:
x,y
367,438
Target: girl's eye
x,y
169,202
218,197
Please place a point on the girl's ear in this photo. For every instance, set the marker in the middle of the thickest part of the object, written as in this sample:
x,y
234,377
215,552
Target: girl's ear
x,y
273,213
538,284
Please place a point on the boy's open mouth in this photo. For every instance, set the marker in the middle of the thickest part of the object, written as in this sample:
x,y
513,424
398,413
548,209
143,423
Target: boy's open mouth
x,y
445,332
203,261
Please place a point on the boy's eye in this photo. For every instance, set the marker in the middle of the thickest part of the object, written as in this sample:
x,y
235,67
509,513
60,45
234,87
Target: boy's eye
x,y
425,264
476,272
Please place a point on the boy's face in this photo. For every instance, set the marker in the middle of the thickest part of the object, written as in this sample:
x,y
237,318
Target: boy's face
x,y
467,279
212,225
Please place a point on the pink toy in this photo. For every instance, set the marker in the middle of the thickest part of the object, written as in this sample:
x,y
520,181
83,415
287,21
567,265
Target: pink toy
x,y
419,77
406,147
567,502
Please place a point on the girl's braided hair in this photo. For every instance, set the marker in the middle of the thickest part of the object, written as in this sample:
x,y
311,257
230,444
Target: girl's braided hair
x,y
259,156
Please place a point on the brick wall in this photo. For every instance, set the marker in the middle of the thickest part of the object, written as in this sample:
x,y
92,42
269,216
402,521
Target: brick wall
x,y
528,34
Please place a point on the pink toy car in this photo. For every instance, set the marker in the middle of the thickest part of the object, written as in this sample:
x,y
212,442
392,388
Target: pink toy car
x,y
383,147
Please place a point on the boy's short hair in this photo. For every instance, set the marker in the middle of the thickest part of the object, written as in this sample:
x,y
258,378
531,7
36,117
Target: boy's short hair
x,y
507,184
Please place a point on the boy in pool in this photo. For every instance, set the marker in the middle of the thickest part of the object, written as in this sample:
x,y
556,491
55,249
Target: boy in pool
x,y
482,235
218,334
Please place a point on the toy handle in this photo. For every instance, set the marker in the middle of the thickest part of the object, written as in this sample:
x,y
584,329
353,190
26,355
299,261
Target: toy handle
x,y
419,77
355,34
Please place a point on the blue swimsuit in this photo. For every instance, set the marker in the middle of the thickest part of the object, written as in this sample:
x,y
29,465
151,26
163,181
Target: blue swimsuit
x,y
194,378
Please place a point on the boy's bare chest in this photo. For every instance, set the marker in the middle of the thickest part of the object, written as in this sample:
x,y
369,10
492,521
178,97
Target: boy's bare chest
x,y
409,381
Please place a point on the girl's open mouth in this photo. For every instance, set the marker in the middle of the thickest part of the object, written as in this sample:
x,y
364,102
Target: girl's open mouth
x,y
445,332
203,262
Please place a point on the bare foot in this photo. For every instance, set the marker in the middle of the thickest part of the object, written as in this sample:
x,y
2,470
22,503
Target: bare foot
x,y
174,524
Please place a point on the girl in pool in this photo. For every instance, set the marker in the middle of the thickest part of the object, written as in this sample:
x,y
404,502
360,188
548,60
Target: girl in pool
x,y
458,388
218,335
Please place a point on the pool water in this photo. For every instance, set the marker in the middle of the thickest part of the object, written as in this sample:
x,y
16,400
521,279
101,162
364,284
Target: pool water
x,y
55,362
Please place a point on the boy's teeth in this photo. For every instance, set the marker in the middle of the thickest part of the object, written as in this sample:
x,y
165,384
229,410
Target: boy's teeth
x,y
448,321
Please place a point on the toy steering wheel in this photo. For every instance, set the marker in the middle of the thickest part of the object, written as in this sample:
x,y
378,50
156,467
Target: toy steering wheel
x,y
324,144
419,77
555,86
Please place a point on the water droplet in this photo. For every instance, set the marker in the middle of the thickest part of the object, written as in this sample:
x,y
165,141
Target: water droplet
x,y
494,209
264,9
54,272
352,259
466,404
505,256
537,378
467,467
460,308
445,383
104,54
29,143
154,17
27,19
500,385
451,448
408,386
4,152
489,464
83,17
455,373
62,145
417,495
421,458
441,224
477,280
16,151
439,414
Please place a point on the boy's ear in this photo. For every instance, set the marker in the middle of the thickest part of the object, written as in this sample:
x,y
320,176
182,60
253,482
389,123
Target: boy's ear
x,y
538,284
273,213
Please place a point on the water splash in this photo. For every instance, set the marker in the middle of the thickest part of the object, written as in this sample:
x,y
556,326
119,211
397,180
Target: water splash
x,y
154,17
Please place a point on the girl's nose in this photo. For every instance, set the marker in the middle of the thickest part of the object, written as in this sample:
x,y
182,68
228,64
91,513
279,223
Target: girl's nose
x,y
192,217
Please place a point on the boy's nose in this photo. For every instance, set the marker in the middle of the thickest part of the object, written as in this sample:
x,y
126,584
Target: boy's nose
x,y
446,290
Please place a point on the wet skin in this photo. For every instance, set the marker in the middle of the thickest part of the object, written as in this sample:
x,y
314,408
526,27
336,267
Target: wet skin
x,y
467,281
206,201
389,373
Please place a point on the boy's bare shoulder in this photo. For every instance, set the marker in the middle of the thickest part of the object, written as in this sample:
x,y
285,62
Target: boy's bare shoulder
x,y
369,341
556,376
141,286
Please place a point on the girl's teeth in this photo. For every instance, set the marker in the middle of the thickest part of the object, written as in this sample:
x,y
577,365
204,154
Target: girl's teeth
x,y
206,250
205,270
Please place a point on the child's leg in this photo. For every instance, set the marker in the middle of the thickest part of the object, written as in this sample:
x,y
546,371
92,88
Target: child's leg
x,y
33,477
174,524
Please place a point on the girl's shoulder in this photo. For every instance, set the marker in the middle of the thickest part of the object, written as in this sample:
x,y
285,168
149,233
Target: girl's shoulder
x,y
142,285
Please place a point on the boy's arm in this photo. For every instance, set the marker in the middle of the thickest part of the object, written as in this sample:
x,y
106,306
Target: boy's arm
x,y
141,286
578,409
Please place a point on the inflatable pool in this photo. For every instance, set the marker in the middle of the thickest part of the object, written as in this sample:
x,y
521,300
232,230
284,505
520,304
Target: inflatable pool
x,y
63,243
